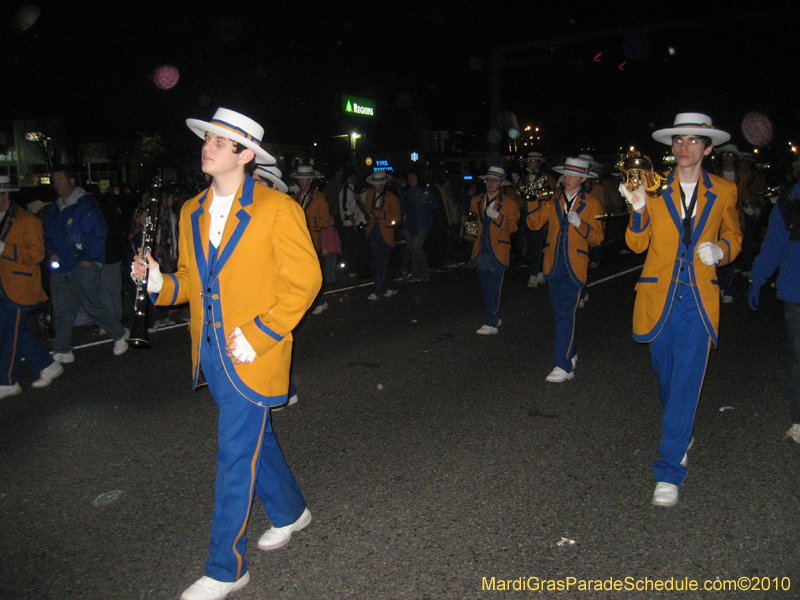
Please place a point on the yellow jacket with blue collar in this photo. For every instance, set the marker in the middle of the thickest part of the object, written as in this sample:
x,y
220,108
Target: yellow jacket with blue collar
x,y
386,218
20,273
659,230
577,239
500,228
262,278
318,215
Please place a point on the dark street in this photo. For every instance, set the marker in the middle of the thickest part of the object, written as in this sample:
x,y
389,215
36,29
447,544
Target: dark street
x,y
432,459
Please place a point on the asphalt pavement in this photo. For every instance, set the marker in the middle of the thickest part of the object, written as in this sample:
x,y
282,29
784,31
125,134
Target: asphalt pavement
x,y
437,464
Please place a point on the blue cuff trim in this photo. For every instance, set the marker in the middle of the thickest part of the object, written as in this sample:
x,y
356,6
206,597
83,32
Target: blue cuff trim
x,y
260,324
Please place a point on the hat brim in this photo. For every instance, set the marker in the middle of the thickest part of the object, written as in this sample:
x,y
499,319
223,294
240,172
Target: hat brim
x,y
279,183
717,136
313,175
202,127
372,181
485,177
590,175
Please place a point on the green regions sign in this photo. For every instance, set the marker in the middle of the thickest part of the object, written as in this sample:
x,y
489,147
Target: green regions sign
x,y
358,106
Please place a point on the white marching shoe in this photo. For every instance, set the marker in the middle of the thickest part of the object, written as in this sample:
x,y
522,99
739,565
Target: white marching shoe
x,y
559,375
278,537
487,330
665,494
47,375
206,588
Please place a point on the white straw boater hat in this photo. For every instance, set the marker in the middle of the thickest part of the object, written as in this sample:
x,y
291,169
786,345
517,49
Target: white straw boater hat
x,y
495,173
536,156
234,126
692,124
305,172
732,148
592,162
579,167
274,174
379,177
5,185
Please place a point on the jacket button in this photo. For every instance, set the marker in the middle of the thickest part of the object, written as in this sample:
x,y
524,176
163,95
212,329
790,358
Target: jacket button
x,y
215,296
217,324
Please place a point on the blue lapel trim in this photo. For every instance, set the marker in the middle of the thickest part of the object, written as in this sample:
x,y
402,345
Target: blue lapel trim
x,y
199,252
670,203
246,199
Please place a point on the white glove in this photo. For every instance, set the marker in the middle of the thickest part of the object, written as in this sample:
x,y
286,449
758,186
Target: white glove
x,y
154,278
493,214
709,253
574,218
635,197
244,351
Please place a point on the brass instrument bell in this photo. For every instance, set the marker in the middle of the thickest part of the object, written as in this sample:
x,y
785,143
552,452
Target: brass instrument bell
x,y
638,171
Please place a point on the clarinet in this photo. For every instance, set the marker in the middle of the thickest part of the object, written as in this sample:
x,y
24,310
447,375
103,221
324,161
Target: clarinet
x,y
141,307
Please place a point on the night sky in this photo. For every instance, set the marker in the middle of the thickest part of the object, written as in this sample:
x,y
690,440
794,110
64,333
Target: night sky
x,y
603,75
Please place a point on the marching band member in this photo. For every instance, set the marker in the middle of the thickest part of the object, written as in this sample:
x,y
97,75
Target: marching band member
x,y
571,216
498,218
534,163
21,252
248,269
384,215
687,232
318,215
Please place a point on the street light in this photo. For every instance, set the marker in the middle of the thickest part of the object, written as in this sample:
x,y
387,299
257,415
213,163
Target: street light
x,y
354,135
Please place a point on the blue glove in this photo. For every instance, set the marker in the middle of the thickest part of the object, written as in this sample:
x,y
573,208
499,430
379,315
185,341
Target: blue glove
x,y
753,295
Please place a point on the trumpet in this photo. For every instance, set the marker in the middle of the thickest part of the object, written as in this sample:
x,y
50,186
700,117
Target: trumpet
x,y
638,171
536,190
470,226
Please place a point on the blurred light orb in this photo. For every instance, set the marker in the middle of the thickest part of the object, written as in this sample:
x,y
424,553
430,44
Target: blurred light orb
x,y
27,16
166,77
513,133
636,47
494,135
671,50
757,129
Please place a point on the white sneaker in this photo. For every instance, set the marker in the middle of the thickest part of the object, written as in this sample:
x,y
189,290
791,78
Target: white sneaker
x,y
794,432
559,375
121,345
372,296
64,357
487,330
206,588
533,281
47,375
278,537
320,309
10,390
390,293
665,494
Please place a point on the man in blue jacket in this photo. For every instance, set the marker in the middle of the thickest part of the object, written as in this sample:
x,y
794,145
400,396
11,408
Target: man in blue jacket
x,y
75,240
781,250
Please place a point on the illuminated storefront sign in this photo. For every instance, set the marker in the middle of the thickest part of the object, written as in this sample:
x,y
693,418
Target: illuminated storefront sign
x,y
383,165
358,106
